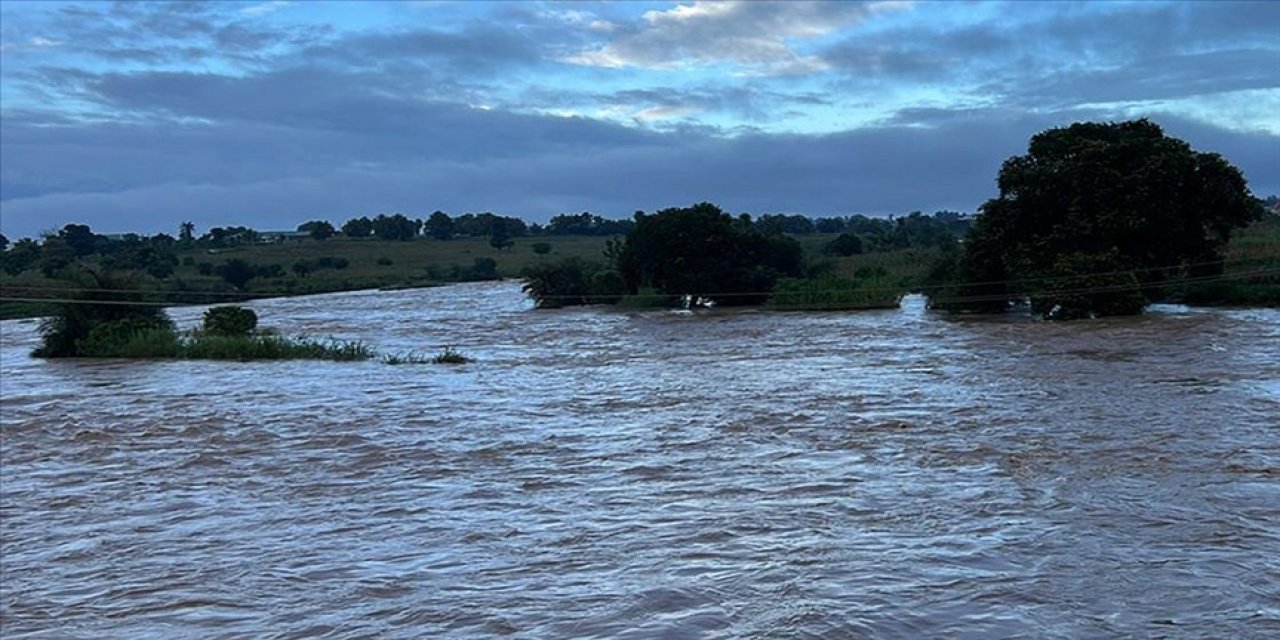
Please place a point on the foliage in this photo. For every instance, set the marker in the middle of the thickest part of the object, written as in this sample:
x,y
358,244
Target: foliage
x,y
230,321
439,226
360,227
776,223
572,281
499,236
108,308
830,293
1092,198
704,252
395,227
236,272
586,224
541,248
24,254
1084,286
271,347
319,229
448,356
846,244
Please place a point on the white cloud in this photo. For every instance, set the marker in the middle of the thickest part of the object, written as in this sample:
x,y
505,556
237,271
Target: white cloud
x,y
37,42
265,8
663,113
757,37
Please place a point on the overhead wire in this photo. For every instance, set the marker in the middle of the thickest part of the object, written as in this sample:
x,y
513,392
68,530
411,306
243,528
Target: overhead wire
x,y
241,296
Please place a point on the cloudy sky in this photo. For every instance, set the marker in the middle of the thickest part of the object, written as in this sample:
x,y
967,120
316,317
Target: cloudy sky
x,y
135,116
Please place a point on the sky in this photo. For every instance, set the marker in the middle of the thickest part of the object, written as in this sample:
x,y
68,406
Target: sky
x,y
137,116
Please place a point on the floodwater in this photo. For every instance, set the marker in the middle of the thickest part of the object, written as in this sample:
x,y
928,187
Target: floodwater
x,y
603,474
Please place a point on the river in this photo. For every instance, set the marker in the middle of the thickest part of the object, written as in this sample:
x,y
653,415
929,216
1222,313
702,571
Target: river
x,y
605,474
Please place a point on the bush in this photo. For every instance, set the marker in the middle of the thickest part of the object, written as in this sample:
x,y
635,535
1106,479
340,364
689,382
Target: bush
x,y
272,347
108,309
130,338
572,281
541,248
230,321
830,293
385,262
847,244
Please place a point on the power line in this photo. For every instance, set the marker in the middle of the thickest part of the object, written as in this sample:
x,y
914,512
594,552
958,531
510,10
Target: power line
x,y
239,296
974,298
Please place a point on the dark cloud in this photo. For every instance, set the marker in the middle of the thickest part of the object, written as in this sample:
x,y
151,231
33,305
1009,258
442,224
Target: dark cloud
x,y
1058,55
1179,76
264,173
302,122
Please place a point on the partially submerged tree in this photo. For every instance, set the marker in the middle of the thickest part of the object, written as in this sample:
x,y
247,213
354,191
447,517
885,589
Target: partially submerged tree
x,y
702,251
1095,217
106,312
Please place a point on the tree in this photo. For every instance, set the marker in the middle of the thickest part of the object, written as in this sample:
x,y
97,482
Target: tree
x,y
439,226
395,227
230,321
357,227
1095,217
82,240
703,251
24,254
499,236
236,272
4,242
319,229
55,254
187,232
846,244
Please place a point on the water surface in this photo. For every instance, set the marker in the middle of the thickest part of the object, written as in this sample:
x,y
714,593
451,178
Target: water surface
x,y
599,474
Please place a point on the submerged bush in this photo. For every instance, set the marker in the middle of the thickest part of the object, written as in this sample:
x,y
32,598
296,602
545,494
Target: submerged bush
x,y
230,321
130,338
448,356
572,281
111,321
829,293
271,347
109,310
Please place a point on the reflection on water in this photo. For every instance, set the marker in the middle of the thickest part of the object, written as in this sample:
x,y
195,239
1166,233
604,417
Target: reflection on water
x,y
597,474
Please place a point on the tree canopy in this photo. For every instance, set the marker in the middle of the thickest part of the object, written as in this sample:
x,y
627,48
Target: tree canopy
x,y
703,251
1095,216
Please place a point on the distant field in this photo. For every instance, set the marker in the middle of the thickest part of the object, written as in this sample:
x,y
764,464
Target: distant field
x,y
376,263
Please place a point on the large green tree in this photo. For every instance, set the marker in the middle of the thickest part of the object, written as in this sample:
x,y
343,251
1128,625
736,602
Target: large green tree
x,y
702,251
1095,217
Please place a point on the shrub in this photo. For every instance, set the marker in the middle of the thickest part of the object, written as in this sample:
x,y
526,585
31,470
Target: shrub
x,y
385,262
108,305
829,293
572,281
230,321
541,248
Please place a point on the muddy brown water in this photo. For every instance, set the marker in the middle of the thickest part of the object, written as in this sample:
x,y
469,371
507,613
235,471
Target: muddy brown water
x,y
601,474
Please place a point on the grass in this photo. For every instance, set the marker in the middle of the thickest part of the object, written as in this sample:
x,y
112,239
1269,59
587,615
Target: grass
x,y
448,356
833,293
426,262
270,347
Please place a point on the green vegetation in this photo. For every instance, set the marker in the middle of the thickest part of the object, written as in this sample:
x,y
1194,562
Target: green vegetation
x,y
830,293
703,252
110,320
573,281
448,356
104,314
230,321
1097,219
